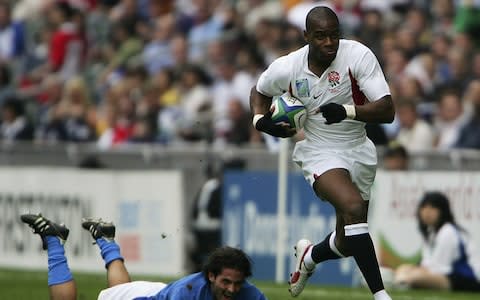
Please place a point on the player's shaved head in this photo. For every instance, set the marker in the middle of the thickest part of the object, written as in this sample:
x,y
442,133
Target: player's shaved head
x,y
319,13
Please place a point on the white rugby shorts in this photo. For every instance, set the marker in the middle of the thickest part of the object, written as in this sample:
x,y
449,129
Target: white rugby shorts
x,y
359,159
131,290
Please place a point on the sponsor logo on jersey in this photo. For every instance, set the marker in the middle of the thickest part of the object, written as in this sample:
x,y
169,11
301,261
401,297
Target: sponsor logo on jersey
x,y
333,78
302,87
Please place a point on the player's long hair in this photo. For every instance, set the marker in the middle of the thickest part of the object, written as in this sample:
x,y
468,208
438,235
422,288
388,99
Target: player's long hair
x,y
227,257
439,201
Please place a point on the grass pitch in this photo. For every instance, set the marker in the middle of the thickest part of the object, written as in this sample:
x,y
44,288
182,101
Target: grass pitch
x,y
20,284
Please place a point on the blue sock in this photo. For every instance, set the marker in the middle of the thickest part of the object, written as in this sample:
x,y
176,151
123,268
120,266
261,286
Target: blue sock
x,y
58,271
109,251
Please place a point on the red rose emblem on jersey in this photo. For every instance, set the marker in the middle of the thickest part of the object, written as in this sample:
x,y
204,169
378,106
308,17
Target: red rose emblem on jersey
x,y
333,78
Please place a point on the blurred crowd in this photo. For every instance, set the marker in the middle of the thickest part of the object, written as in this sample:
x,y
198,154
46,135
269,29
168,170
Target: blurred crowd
x,y
117,72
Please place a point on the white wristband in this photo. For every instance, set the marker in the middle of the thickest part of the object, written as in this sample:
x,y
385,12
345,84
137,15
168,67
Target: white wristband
x,y
256,118
351,112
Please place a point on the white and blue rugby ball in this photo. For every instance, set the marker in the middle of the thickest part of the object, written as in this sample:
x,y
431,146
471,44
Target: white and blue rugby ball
x,y
288,109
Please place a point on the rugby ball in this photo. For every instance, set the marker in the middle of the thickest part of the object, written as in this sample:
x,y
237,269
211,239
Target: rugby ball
x,y
289,110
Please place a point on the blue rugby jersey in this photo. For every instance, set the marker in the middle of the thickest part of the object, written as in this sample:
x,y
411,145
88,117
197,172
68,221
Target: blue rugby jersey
x,y
196,287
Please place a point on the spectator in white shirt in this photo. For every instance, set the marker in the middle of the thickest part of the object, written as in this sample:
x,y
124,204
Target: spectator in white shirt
x,y
448,259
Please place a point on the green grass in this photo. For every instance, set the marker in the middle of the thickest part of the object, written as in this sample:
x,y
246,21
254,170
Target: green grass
x,y
18,285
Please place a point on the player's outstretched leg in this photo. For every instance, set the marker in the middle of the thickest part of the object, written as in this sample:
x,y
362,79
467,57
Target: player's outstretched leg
x,y
53,235
299,278
104,234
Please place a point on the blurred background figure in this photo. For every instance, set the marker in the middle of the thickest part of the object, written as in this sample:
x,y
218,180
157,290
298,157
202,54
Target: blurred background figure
x,y
66,42
192,120
469,136
415,133
207,212
15,125
448,260
395,157
12,36
206,29
241,128
450,119
67,119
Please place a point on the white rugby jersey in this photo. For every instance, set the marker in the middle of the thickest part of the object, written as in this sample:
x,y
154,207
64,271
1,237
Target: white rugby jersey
x,y
353,77
450,251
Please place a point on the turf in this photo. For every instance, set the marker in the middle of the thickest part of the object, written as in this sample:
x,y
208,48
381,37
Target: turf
x,y
18,285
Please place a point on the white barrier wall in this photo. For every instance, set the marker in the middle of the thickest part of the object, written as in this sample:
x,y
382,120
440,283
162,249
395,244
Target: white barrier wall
x,y
147,208
395,197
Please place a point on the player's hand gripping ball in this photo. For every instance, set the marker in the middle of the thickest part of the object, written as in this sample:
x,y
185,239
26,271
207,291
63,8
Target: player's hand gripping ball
x,y
288,110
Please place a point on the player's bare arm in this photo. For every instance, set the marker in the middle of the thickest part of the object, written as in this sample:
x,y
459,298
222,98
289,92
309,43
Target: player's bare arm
x,y
262,116
259,103
381,111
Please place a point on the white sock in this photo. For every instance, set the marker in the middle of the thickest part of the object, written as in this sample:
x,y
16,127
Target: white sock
x,y
309,263
381,295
